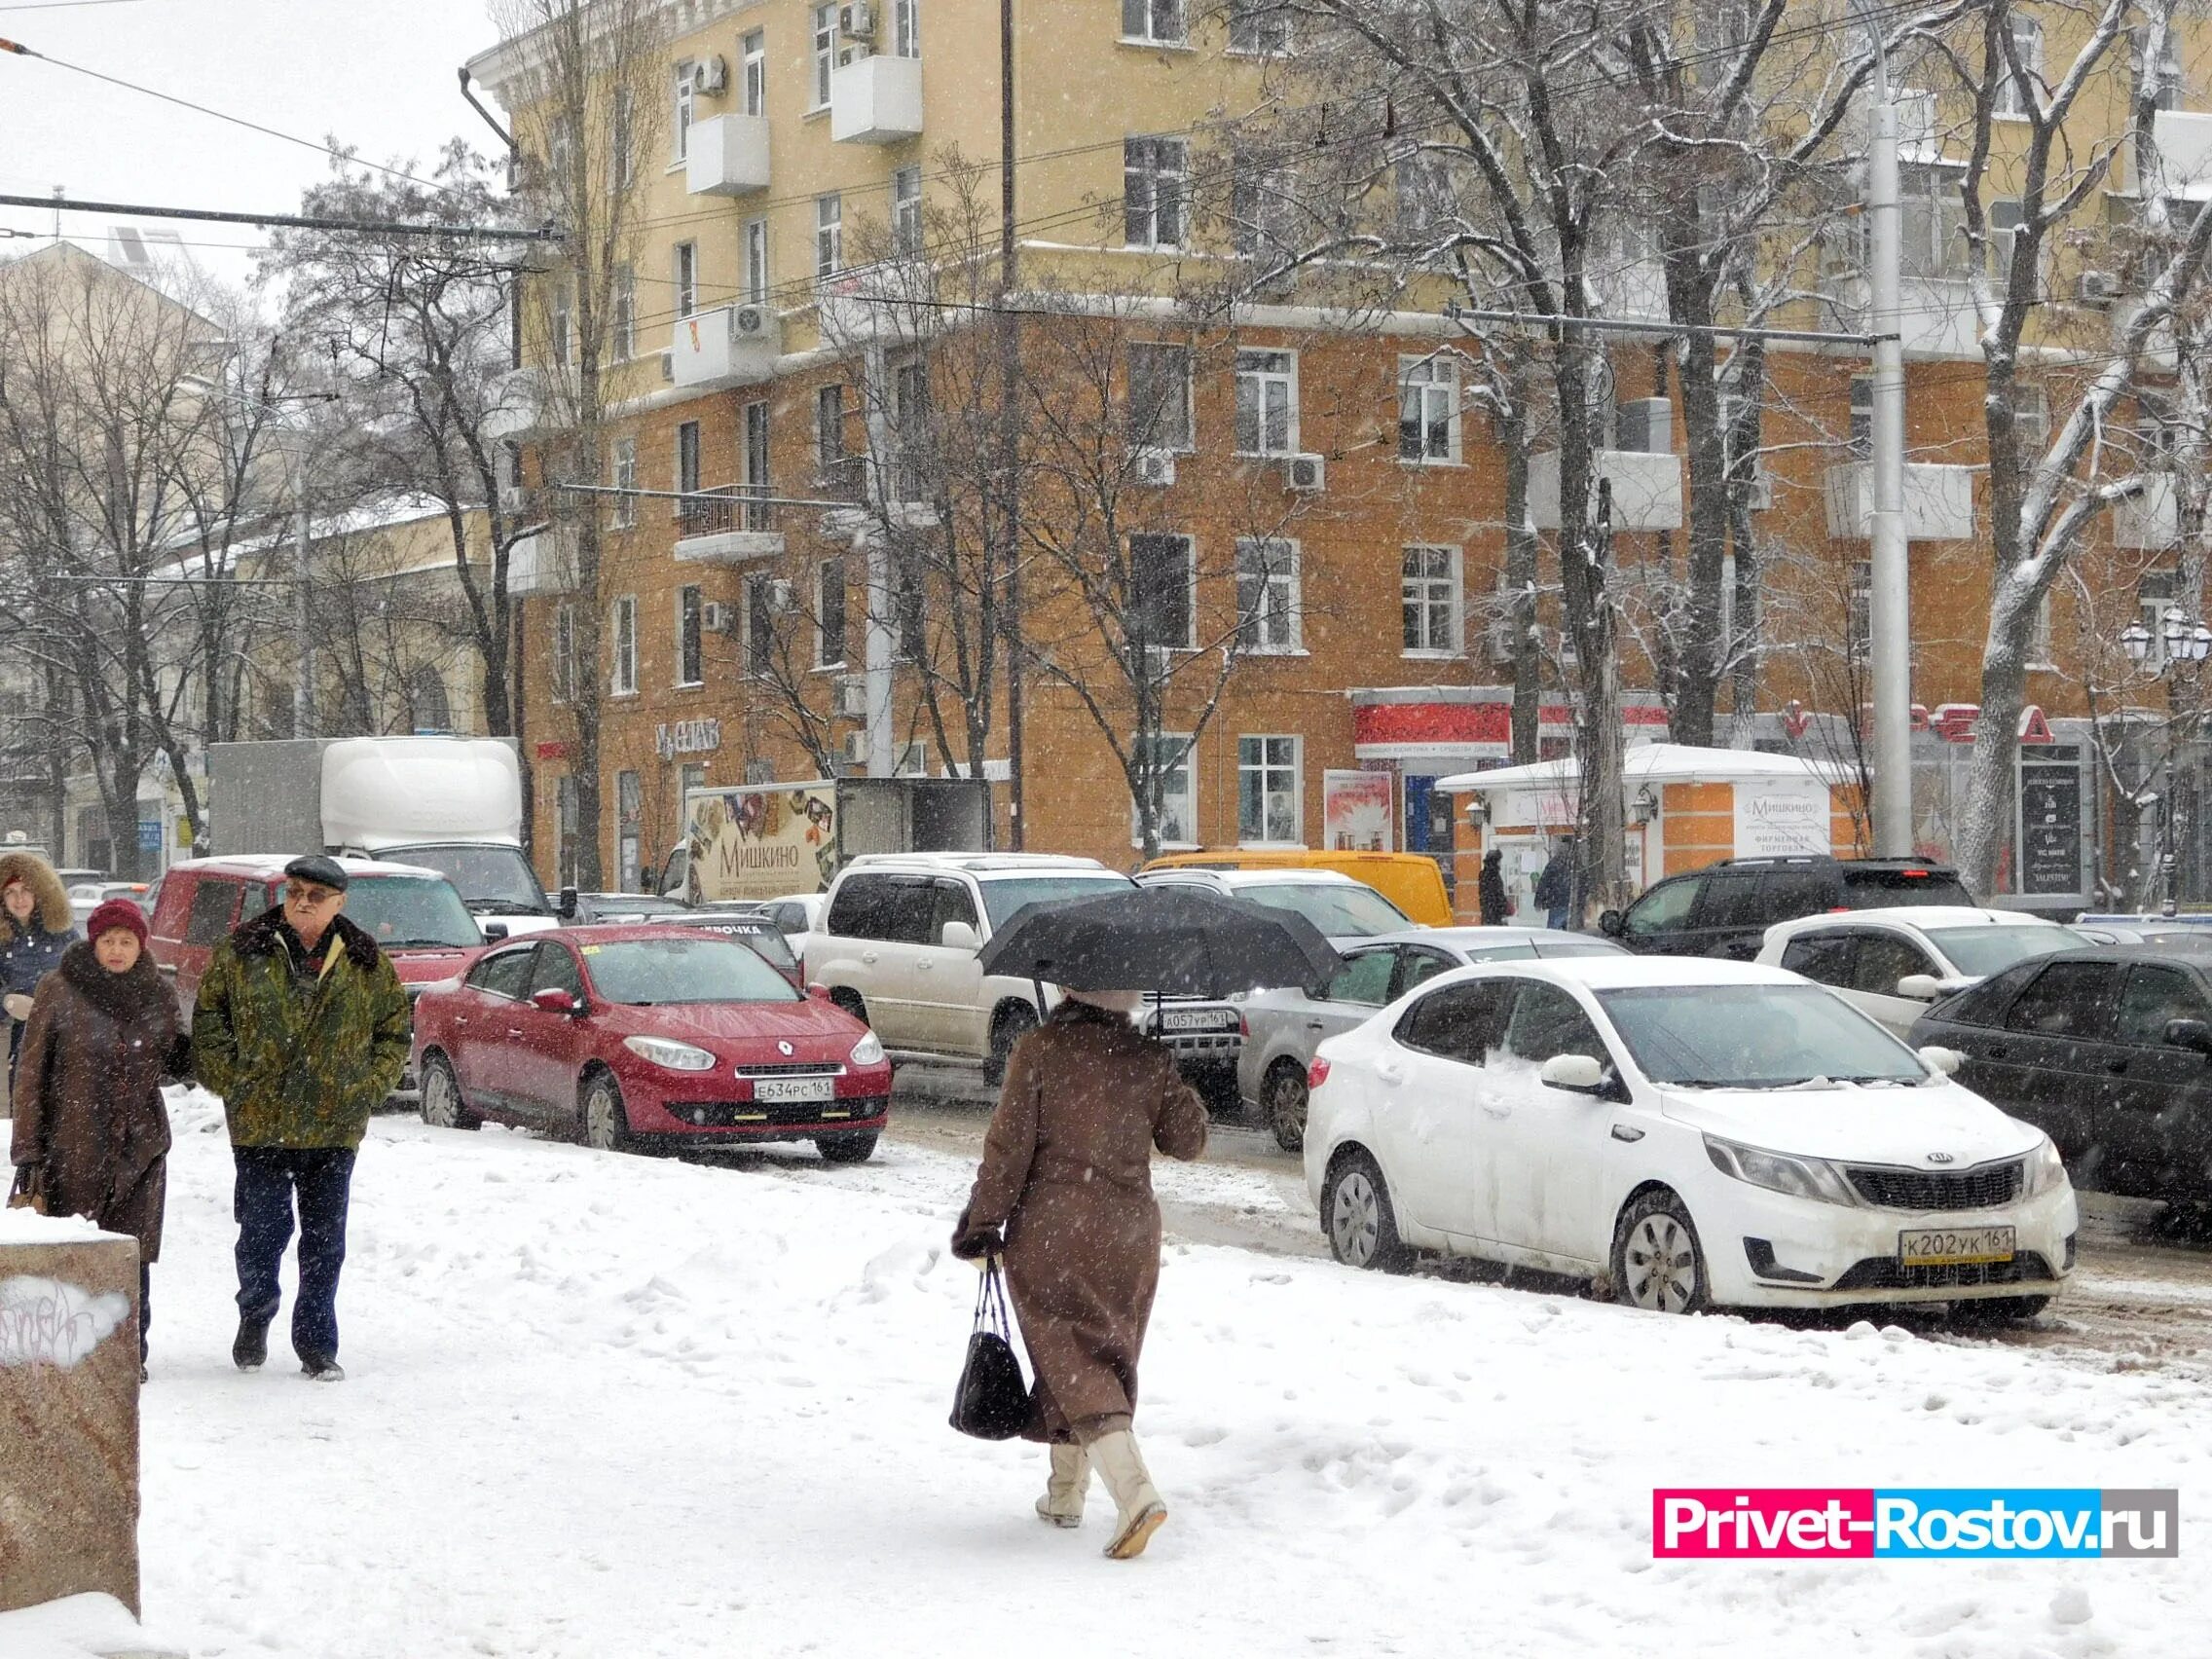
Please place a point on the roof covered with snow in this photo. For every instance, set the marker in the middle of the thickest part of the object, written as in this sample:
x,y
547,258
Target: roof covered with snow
x,y
1653,764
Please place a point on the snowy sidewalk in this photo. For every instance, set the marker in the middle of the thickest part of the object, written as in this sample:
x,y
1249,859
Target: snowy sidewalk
x,y
608,1408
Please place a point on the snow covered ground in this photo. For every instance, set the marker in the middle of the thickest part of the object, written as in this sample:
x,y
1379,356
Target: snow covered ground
x,y
624,1407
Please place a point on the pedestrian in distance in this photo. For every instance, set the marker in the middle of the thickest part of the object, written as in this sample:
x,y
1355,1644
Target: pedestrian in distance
x,y
302,1027
89,1120
36,926
1064,1194
1496,903
1559,890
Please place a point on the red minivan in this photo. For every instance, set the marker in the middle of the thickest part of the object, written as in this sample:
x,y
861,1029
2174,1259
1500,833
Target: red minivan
x,y
416,915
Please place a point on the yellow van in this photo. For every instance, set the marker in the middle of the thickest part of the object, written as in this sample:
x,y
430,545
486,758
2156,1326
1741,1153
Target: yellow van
x,y
1412,881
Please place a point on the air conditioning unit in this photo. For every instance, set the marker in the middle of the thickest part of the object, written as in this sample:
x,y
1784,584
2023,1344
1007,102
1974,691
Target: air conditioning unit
x,y
855,748
709,74
668,367
749,322
1646,425
1305,472
857,21
1760,492
914,761
779,597
1155,468
718,618
852,698
1499,635
2098,289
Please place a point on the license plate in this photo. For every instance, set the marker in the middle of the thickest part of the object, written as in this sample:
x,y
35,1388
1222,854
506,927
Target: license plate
x,y
794,1090
1953,1246
1192,1019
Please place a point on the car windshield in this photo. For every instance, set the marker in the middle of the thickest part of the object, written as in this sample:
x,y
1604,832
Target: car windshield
x,y
649,973
1002,897
403,911
1336,910
755,934
1754,1037
1982,951
493,879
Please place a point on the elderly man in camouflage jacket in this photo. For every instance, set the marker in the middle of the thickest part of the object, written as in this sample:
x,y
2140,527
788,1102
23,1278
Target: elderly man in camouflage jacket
x,y
301,1026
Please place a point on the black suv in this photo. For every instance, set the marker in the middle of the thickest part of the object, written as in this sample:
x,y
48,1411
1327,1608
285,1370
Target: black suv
x,y
1726,908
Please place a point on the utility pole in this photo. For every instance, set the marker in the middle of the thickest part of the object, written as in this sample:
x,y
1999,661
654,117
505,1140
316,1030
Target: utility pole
x,y
875,544
1010,432
1889,611
303,604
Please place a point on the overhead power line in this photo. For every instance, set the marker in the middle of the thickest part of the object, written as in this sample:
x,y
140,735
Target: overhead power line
x,y
291,221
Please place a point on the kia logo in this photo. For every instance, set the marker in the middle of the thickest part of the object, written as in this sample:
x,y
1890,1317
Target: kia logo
x,y
1938,1158
785,1049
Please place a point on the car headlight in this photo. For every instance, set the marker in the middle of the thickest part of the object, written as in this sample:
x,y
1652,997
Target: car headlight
x,y
2046,1169
1799,1177
868,1051
676,1056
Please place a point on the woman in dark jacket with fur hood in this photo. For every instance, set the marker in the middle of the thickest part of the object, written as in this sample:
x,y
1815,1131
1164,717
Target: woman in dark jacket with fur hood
x,y
35,928
91,1125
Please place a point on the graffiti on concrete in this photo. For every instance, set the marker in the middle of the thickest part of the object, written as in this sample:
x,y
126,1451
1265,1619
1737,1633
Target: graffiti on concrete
x,y
43,1321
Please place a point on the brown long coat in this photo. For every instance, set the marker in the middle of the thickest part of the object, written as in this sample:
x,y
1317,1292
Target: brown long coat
x,y
1067,1170
88,1094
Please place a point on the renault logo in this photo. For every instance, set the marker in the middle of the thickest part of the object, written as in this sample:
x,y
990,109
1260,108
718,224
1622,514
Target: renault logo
x,y
785,1049
1938,1158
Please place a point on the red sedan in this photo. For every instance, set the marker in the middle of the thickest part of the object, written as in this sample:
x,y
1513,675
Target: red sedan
x,y
653,1034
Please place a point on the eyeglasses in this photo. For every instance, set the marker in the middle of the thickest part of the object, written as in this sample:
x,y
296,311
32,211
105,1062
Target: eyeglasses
x,y
310,898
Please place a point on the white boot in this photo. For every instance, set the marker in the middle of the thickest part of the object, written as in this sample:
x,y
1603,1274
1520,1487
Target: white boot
x,y
1062,1502
1140,1512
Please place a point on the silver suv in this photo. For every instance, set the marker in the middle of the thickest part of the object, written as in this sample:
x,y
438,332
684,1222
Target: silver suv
x,y
899,941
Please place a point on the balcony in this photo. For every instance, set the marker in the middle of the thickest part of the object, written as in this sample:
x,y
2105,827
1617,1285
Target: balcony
x,y
1646,489
2150,522
518,406
893,301
2182,168
728,527
727,156
1939,502
1936,317
728,345
876,100
544,562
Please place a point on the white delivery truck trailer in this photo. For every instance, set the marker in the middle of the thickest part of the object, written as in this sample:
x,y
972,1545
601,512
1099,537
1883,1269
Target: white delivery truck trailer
x,y
771,840
452,804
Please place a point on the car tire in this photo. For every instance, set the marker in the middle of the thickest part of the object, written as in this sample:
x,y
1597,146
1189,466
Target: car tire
x,y
1658,1262
856,1146
1998,1310
1359,1218
1283,1102
442,1105
606,1119
1012,1023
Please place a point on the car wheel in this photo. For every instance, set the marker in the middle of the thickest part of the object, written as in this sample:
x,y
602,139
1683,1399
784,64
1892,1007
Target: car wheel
x,y
856,1147
606,1123
1362,1227
1282,1098
851,1002
442,1105
1658,1264
1998,1310
1009,1028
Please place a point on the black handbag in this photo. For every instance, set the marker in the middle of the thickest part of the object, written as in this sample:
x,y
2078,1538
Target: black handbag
x,y
992,1402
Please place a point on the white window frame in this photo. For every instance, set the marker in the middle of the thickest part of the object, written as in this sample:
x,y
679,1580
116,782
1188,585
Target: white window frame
x,y
1257,28
1421,594
562,667
825,58
1276,625
623,166
829,235
1180,355
622,658
563,341
691,635
2031,419
822,579
756,278
2041,656
1155,22
626,479
1258,370
683,265
624,330
1257,756
2010,100
905,28
1187,764
829,426
684,113
906,210
1148,164
1427,383
754,48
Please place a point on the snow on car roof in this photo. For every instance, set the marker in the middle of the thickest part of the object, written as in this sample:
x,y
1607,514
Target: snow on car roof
x,y
1480,937
1921,916
1622,973
271,865
1265,875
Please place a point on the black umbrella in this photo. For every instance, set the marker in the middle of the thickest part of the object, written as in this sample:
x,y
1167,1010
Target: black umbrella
x,y
1173,940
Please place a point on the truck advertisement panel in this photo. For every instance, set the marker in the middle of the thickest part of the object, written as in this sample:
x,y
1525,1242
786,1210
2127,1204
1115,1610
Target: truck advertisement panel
x,y
762,842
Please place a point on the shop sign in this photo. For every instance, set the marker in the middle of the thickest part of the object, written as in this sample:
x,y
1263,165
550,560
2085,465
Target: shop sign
x,y
687,737
1356,812
1953,723
1783,819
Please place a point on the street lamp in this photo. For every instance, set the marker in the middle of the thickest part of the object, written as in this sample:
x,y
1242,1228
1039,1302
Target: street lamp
x,y
2185,646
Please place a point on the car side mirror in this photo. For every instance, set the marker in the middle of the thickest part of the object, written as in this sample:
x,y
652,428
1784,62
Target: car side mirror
x,y
494,931
1577,1074
1614,924
818,991
564,907
959,936
554,1000
1920,987
1943,1062
2192,1034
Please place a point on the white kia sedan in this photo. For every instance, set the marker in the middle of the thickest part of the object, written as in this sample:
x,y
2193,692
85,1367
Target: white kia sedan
x,y
1693,1133
1891,964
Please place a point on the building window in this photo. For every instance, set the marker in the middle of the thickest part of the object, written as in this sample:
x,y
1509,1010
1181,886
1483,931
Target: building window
x,y
2039,635
1261,26
564,819
756,463
2031,419
829,235
680,127
561,340
830,613
686,467
625,512
1858,621
1159,611
1160,398
1159,22
429,709
1154,177
909,601
623,626
690,639
825,52
1266,403
1268,607
757,262
907,28
1429,410
2015,92
629,817
1172,756
1862,440
912,474
563,664
1266,790
514,323
759,625
621,165
829,428
755,46
906,210
1263,206
1429,584
625,320
1931,222
2169,87
686,279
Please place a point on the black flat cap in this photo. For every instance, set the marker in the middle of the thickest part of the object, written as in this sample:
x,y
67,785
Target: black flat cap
x,y
322,871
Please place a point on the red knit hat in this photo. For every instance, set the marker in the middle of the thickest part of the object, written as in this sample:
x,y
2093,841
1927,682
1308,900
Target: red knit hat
x,y
117,913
